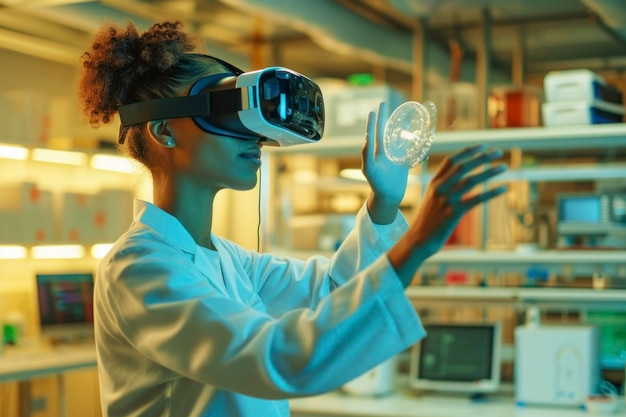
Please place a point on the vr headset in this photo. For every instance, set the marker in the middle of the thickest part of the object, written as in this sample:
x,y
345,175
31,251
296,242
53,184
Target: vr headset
x,y
276,105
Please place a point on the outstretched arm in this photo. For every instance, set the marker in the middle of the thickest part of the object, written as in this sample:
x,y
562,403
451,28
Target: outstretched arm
x,y
447,198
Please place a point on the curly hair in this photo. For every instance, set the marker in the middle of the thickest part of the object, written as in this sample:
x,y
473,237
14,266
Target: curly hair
x,y
124,66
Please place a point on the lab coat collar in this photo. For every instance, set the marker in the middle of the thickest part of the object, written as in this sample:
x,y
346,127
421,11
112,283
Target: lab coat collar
x,y
164,224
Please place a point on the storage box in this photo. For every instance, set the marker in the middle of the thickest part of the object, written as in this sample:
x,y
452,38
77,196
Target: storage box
x,y
556,365
347,110
25,117
579,85
113,214
77,213
562,113
26,214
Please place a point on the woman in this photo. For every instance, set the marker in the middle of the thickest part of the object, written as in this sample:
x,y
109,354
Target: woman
x,y
190,324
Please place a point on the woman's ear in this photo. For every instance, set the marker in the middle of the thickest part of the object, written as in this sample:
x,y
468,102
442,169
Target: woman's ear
x,y
160,132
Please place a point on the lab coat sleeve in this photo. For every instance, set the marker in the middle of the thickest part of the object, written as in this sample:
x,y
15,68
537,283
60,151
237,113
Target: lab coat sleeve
x,y
175,317
286,283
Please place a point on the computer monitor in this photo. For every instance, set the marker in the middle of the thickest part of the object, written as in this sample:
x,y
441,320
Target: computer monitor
x,y
65,306
457,357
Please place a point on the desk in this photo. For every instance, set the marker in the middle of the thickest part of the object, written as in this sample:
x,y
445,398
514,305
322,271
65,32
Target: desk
x,y
403,404
24,365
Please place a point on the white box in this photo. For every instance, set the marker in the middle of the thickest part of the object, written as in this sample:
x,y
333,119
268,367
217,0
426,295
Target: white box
x,y
556,365
113,214
27,118
26,214
11,227
579,85
571,113
38,218
76,220
348,109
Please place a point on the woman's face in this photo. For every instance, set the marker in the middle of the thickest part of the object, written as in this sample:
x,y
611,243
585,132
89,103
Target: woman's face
x,y
216,161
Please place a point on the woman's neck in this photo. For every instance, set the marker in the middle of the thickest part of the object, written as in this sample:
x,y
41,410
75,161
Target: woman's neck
x,y
190,202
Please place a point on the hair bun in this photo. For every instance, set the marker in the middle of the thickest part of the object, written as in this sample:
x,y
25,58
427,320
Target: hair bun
x,y
163,45
119,59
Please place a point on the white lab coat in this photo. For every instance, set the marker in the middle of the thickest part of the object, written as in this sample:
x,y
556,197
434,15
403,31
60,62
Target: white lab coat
x,y
183,331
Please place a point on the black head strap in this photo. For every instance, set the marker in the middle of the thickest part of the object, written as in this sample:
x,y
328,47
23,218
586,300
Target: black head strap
x,y
217,102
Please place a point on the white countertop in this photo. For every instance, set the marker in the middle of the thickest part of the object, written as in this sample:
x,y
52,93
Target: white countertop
x,y
22,364
405,404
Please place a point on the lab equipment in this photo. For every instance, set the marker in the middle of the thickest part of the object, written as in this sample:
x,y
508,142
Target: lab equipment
x,y
457,357
591,220
376,382
556,364
65,303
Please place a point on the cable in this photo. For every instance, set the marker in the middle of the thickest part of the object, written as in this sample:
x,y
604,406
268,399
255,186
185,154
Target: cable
x,y
258,228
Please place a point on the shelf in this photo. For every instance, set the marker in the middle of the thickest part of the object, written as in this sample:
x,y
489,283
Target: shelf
x,y
565,262
527,139
605,299
514,294
579,172
440,294
494,258
582,172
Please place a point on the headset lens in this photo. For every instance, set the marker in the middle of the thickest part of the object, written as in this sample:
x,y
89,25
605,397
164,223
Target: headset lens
x,y
292,101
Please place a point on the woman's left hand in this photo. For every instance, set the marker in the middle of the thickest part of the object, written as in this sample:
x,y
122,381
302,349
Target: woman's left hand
x,y
387,180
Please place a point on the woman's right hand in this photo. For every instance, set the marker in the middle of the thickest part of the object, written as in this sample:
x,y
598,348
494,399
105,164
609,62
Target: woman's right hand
x,y
446,200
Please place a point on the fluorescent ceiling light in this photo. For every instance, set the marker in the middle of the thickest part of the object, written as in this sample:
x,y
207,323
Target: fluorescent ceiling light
x,y
113,163
58,252
352,174
12,252
100,249
305,176
59,157
13,152
41,48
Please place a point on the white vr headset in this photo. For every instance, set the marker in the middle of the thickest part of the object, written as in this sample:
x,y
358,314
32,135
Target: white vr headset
x,y
276,105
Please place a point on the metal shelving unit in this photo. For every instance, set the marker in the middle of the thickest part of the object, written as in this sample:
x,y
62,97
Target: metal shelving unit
x,y
609,138
526,139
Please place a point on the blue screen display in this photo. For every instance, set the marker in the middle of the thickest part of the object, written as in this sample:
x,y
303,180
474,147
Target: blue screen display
x,y
586,209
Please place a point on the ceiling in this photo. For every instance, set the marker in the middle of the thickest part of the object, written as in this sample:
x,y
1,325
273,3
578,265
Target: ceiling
x,y
326,38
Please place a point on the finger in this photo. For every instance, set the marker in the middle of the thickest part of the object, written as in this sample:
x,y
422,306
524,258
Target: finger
x,y
381,121
467,153
473,180
483,197
453,159
453,176
370,137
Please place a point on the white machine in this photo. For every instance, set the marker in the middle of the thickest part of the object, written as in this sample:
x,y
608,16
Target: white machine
x,y
377,382
556,365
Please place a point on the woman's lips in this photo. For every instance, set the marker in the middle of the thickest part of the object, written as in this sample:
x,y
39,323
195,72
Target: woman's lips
x,y
253,154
